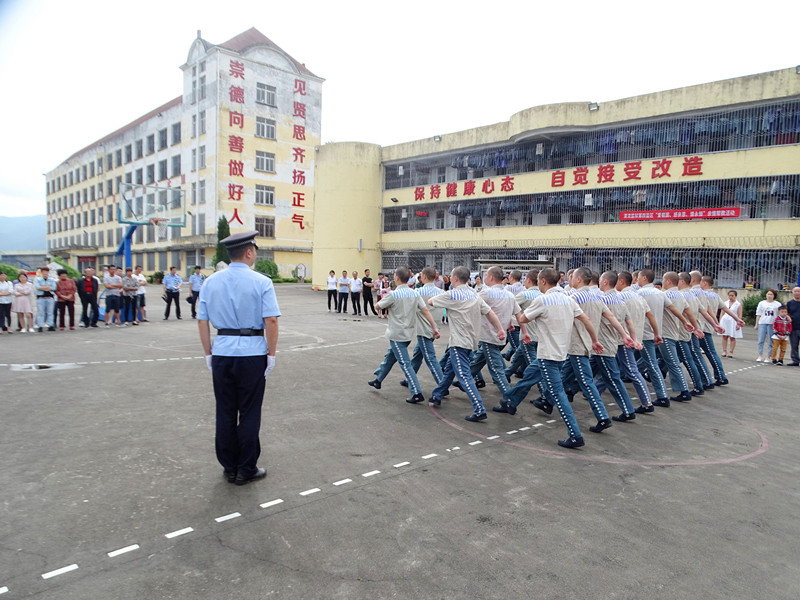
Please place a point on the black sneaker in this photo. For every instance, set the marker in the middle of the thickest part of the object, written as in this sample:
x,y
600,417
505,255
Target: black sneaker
x,y
573,442
473,418
624,418
684,396
543,406
779,363
480,384
375,383
435,402
662,402
645,409
774,362
416,399
601,425
404,383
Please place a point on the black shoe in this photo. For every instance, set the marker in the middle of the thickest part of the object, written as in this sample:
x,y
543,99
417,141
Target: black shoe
x,y
623,418
682,397
230,476
259,474
570,396
645,409
601,425
404,383
40,329
543,406
434,401
375,383
178,318
540,399
166,318
710,386
697,392
480,384
573,442
794,364
779,363
505,407
415,399
51,328
457,385
721,382
519,374
475,418
662,402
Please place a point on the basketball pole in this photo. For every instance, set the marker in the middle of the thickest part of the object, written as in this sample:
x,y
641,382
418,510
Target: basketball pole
x,y
125,247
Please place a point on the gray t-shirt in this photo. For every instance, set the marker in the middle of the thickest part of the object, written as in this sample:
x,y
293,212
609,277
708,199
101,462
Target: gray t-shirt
x,y
404,303
108,279
464,310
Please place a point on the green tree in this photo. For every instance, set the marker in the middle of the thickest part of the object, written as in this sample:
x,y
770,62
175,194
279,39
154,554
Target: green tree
x,y
267,267
223,231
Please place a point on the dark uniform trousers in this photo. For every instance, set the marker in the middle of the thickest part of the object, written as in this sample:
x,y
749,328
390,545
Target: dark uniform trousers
x,y
239,389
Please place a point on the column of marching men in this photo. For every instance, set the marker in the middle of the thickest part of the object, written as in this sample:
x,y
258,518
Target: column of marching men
x,y
582,331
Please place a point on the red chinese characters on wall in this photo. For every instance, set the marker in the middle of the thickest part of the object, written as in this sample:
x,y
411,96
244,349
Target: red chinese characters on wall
x,y
298,219
298,199
299,153
299,132
237,94
237,69
236,142
236,217
658,169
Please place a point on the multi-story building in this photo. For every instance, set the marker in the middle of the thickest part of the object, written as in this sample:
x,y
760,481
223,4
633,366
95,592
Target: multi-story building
x,y
238,143
704,177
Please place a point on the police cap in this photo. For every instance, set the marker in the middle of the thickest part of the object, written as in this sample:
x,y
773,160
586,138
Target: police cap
x,y
239,240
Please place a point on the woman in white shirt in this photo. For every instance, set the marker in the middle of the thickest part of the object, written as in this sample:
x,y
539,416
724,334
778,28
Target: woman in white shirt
x,y
766,311
331,289
731,328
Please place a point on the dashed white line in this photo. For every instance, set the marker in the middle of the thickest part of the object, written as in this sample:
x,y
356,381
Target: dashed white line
x,y
551,421
538,424
309,492
342,481
60,571
123,550
228,517
175,534
475,443
492,437
3,589
524,428
512,432
402,464
370,474
427,456
272,503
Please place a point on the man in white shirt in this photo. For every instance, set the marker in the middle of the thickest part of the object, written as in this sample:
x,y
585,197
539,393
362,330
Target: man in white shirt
x,y
706,283
332,289
344,292
425,334
140,293
355,293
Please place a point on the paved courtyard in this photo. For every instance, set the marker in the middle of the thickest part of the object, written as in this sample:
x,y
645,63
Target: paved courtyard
x,y
109,487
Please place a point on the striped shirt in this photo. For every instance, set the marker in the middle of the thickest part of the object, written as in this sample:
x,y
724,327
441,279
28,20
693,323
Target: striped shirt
x,y
524,300
608,336
405,303
637,310
464,310
657,301
672,326
423,327
554,313
502,302
591,302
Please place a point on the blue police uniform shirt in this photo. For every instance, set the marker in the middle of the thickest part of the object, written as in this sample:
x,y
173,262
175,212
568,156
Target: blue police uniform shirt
x,y
196,281
227,300
172,282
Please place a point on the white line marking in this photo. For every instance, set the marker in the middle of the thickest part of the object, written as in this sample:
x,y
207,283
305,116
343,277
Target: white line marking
x,y
123,550
524,428
402,464
80,363
228,517
137,360
148,360
122,361
370,474
512,432
455,448
3,589
538,424
183,531
109,362
551,421
271,503
161,359
174,358
309,492
492,437
59,571
475,443
427,456
342,481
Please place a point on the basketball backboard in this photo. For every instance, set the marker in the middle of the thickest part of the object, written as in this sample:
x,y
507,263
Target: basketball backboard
x,y
149,204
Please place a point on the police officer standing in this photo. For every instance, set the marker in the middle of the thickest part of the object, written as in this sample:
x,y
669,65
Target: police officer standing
x,y
241,304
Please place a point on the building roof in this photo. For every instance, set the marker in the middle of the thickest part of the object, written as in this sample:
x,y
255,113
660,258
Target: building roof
x,y
253,37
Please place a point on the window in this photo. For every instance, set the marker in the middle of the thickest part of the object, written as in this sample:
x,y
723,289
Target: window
x,y
110,213
91,169
203,88
128,153
162,169
202,157
151,143
202,122
139,176
118,156
77,175
176,133
71,178
265,161
128,177
139,149
99,166
194,159
109,187
162,139
201,191
151,174
265,226
266,94
194,193
193,97
202,66
91,194
176,165
265,128
100,215
201,223
118,181
194,125
151,261
83,173
92,217
265,195
99,190
100,238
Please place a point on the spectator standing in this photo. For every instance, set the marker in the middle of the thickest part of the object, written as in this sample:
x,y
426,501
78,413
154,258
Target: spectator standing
x,y
766,311
65,294
731,330
45,287
196,280
369,285
140,294
130,286
88,287
172,289
344,292
113,284
331,289
356,285
22,304
6,298
782,330
793,308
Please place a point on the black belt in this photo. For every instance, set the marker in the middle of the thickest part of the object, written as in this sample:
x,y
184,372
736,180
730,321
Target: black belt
x,y
240,332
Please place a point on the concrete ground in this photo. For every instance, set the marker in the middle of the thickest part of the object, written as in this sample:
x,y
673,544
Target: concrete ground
x,y
109,486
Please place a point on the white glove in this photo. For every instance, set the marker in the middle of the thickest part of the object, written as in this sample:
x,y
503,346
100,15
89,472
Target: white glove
x,y
270,366
208,361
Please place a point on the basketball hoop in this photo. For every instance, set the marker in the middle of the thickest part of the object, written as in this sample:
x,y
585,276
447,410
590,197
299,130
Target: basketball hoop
x,y
162,225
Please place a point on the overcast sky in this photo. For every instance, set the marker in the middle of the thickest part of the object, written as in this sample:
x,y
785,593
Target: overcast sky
x,y
74,71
